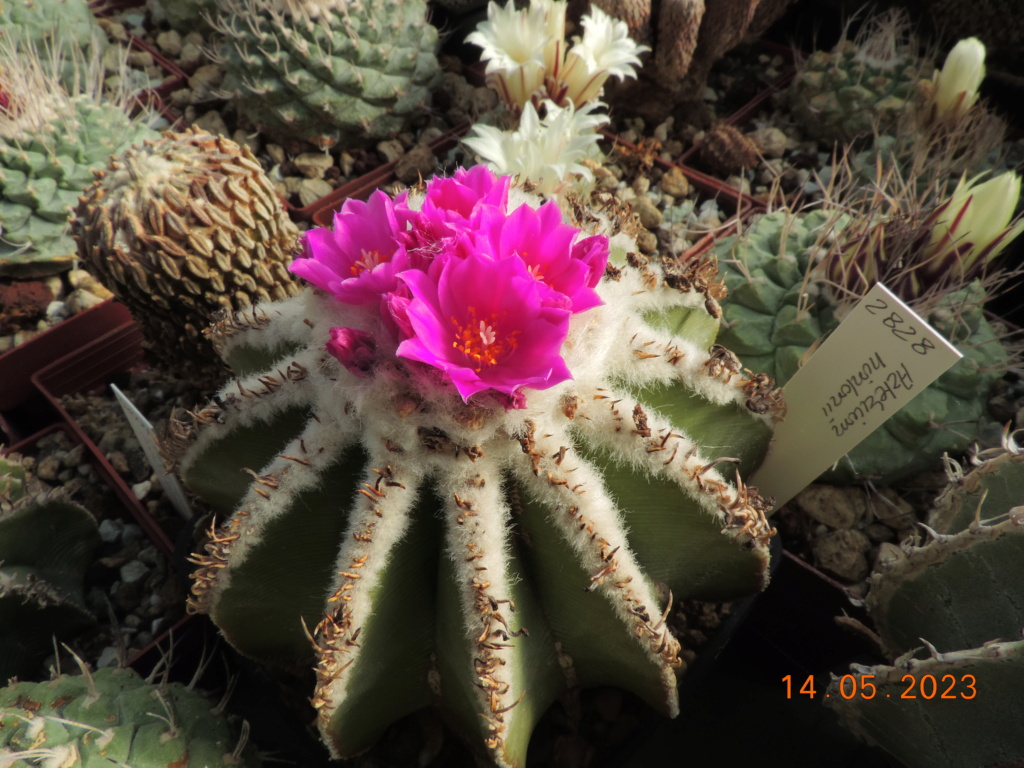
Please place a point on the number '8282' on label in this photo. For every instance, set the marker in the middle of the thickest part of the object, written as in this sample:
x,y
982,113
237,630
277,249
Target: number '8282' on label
x,y
911,686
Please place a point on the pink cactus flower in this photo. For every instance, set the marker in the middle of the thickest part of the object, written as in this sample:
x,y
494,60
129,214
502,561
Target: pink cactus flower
x,y
359,260
488,324
449,204
541,241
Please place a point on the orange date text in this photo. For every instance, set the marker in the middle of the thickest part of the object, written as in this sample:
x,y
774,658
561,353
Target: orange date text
x,y
910,687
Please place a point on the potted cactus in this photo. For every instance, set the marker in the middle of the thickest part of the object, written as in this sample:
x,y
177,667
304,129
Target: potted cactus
x,y
443,487
948,620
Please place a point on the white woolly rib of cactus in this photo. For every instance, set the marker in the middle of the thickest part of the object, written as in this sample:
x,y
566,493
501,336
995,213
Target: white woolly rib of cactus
x,y
482,553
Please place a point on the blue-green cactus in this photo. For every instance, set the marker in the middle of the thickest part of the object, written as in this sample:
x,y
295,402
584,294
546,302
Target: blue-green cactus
x,y
50,143
327,70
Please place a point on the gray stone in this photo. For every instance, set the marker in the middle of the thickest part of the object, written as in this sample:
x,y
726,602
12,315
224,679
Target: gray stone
x,y
843,553
650,217
835,507
675,183
770,141
110,530
418,162
141,490
313,165
212,122
81,300
133,571
276,152
190,55
169,42
205,81
391,149
311,190
245,139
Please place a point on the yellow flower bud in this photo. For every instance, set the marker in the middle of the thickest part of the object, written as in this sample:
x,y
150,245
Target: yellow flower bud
x,y
956,86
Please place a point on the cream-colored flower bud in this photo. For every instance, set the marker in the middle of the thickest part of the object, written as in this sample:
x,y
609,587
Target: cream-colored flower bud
x,y
956,86
976,222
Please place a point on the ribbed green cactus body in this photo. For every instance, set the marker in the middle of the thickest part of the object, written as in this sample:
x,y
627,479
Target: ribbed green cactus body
x,y
356,71
841,95
467,557
42,174
775,314
66,26
46,546
114,717
189,15
949,615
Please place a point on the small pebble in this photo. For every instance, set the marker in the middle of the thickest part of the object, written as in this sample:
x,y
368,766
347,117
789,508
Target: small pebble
x,y
649,215
419,162
191,55
311,190
212,122
133,571
313,165
833,506
391,150
141,490
276,152
169,42
110,530
675,183
205,82
843,553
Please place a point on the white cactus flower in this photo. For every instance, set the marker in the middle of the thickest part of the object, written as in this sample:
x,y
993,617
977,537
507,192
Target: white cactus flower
x,y
606,49
517,45
544,150
976,224
526,59
956,86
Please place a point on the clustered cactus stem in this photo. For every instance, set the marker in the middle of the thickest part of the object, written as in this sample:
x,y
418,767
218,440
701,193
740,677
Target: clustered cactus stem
x,y
51,139
461,488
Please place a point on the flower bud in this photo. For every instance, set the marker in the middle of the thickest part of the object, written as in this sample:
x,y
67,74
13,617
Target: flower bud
x,y
354,349
976,222
956,86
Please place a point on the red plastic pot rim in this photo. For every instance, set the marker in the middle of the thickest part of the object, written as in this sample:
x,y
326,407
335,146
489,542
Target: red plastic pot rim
x,y
19,364
130,511
119,350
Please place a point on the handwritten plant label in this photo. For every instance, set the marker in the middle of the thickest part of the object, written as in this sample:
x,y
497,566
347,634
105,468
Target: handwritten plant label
x,y
878,359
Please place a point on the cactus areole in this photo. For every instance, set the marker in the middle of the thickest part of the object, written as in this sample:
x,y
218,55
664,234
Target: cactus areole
x,y
493,443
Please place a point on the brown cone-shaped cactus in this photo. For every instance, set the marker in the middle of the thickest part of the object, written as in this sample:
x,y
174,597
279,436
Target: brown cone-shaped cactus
x,y
726,150
181,228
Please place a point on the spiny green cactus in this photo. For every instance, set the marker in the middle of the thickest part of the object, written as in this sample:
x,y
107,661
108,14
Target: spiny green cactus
x,y
861,86
50,143
327,70
56,27
46,545
959,595
114,717
177,263
781,303
483,554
